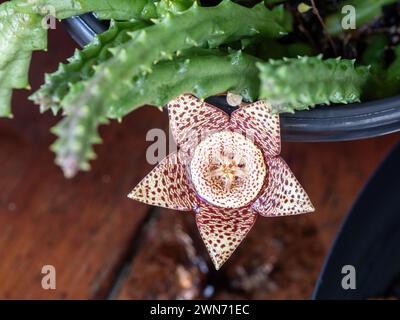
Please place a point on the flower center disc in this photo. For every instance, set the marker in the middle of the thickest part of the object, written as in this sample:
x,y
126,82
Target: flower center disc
x,y
228,170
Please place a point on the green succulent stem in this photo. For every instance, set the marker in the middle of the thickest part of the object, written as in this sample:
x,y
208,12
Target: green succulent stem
x,y
77,133
195,27
168,48
201,72
301,83
81,65
22,31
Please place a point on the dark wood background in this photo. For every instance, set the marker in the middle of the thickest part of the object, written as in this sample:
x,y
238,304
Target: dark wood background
x,y
104,245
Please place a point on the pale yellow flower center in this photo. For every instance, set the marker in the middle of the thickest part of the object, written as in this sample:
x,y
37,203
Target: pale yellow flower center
x,y
228,170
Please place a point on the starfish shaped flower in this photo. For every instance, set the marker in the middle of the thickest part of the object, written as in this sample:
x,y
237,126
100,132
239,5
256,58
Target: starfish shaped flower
x,y
227,170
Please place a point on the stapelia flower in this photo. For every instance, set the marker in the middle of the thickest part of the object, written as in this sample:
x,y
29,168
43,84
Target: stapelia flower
x,y
227,170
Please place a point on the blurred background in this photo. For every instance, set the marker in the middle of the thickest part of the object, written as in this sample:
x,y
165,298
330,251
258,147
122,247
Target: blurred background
x,y
104,245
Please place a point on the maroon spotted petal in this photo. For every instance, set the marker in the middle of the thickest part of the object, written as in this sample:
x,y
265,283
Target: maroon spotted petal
x,y
192,120
284,195
166,186
257,123
222,230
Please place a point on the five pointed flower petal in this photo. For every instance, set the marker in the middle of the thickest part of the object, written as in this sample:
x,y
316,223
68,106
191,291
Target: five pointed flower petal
x,y
191,120
257,123
222,230
167,185
176,181
284,195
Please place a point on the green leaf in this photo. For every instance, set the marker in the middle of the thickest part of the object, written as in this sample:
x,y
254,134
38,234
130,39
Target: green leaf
x,y
377,86
104,9
20,34
374,54
393,72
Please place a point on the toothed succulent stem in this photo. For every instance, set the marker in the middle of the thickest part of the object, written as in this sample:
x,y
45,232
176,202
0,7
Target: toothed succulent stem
x,y
77,133
24,19
201,72
81,65
195,27
301,83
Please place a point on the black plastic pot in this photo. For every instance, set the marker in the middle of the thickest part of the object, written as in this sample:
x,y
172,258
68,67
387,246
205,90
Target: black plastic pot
x,y
326,123
369,240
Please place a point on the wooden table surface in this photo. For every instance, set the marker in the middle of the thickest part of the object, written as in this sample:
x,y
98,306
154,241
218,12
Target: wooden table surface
x,y
104,245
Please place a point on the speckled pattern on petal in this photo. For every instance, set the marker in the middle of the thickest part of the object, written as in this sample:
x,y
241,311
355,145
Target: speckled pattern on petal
x,y
167,186
255,120
191,120
284,195
225,178
222,230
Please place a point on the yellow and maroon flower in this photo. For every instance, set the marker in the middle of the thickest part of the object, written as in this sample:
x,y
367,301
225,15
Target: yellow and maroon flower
x,y
227,170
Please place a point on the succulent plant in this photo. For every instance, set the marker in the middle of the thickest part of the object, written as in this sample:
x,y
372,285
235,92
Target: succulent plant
x,y
304,82
86,105
156,50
